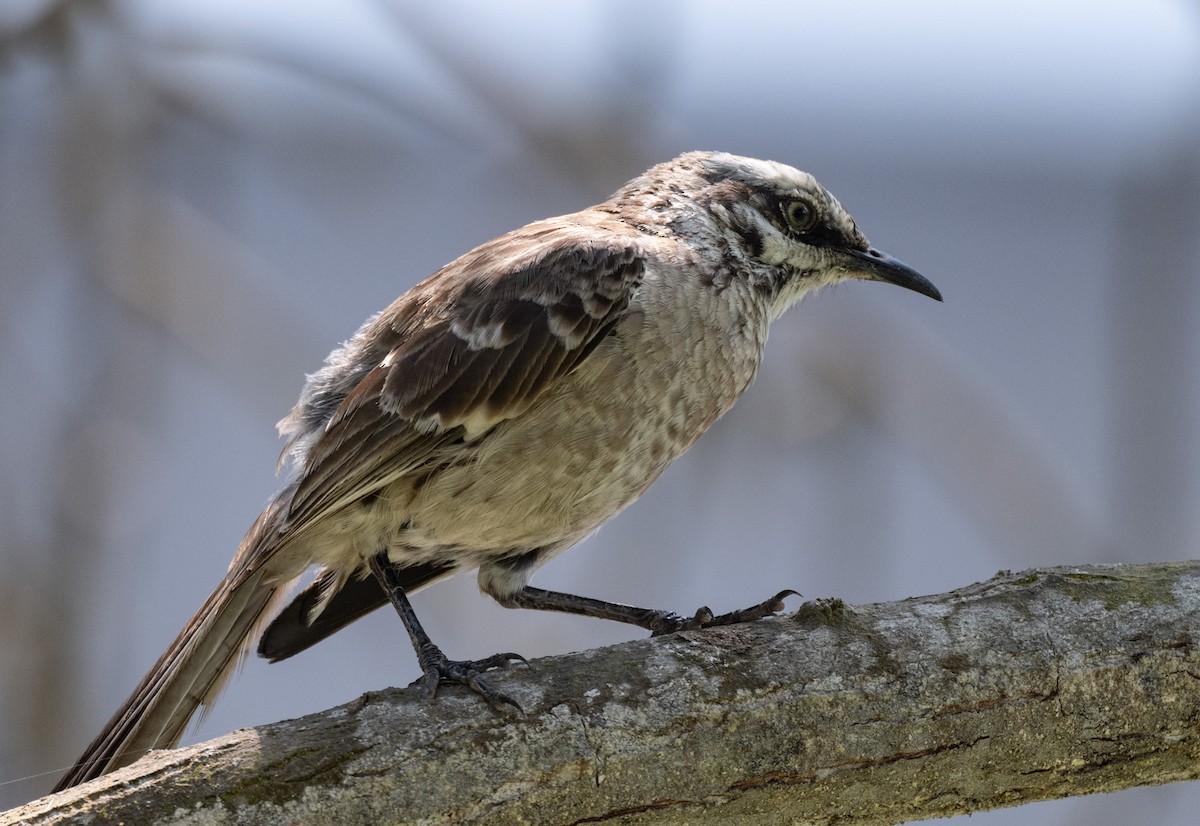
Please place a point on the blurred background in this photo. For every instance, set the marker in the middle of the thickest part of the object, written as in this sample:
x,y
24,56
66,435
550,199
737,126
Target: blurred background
x,y
199,199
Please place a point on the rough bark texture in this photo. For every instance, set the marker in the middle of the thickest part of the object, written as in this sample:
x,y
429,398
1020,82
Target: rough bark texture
x,y
1030,686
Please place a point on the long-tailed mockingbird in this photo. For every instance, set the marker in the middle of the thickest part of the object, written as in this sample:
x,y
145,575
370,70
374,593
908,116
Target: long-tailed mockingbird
x,y
502,410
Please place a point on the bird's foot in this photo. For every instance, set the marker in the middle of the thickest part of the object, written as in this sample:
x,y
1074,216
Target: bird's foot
x,y
669,623
438,669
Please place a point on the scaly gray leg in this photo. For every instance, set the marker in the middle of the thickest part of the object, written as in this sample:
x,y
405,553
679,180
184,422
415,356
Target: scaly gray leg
x,y
435,665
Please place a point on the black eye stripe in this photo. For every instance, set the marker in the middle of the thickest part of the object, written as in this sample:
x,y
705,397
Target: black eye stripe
x,y
823,235
818,233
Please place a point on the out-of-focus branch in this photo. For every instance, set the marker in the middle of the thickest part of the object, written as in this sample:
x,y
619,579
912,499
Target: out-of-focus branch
x,y
1045,684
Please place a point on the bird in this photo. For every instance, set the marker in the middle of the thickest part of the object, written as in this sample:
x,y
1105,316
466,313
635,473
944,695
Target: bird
x,y
501,411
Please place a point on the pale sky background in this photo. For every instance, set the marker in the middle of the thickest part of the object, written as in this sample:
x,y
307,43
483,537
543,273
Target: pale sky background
x,y
200,199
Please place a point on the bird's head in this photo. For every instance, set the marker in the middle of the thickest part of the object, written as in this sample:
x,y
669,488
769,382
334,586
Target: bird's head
x,y
788,232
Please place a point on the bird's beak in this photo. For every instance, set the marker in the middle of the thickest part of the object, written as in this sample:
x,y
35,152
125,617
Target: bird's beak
x,y
874,265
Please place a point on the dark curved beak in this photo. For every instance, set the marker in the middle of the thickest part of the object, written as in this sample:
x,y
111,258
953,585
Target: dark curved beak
x,y
874,265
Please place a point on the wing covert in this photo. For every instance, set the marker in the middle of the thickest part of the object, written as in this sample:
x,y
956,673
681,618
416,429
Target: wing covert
x,y
464,350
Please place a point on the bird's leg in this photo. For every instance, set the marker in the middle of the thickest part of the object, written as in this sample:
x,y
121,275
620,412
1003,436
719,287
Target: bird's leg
x,y
655,621
435,665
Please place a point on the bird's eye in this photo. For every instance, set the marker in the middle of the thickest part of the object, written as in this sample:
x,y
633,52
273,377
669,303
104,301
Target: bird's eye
x,y
801,215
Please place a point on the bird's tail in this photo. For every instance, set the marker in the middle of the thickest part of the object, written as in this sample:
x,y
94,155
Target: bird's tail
x,y
193,669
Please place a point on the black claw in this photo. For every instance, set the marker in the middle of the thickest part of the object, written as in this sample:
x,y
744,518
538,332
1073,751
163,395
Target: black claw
x,y
666,622
777,600
704,618
428,682
500,661
701,618
496,699
439,669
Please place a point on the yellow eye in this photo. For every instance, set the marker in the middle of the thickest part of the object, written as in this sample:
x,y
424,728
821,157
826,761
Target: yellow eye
x,y
801,215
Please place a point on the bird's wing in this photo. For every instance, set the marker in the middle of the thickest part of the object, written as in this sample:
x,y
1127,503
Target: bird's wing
x,y
471,346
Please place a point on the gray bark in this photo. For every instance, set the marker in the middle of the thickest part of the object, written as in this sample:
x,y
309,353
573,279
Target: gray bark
x,y
1044,684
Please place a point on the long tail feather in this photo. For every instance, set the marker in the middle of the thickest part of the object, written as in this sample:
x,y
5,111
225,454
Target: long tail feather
x,y
193,669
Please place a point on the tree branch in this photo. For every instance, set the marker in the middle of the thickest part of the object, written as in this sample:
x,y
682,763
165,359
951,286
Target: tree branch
x,y
1030,686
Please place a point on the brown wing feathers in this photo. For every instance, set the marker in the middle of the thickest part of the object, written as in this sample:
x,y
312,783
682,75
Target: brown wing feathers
x,y
485,346
470,357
